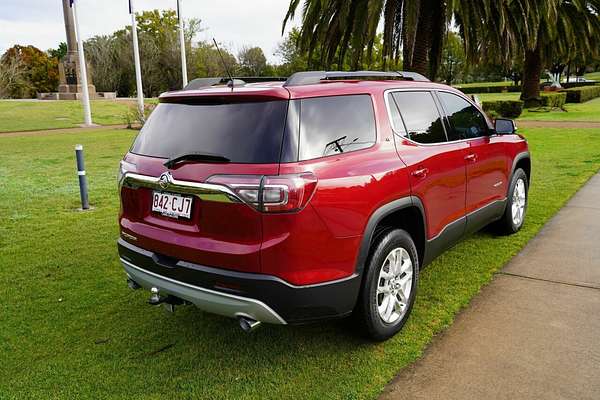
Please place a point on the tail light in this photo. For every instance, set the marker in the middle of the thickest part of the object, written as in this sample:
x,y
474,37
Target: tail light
x,y
125,167
281,193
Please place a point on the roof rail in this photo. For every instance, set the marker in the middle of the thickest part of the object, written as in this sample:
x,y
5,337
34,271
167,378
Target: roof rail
x,y
312,77
201,83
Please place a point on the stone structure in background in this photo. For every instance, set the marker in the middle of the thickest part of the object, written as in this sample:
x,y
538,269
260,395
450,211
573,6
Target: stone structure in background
x,y
68,68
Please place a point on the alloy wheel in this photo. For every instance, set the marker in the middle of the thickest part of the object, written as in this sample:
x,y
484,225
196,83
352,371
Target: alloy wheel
x,y
519,199
394,285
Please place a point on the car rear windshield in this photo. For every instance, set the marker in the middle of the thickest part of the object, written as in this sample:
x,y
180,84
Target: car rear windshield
x,y
243,132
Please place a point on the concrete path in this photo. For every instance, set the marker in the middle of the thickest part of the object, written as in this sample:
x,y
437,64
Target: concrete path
x,y
62,130
534,332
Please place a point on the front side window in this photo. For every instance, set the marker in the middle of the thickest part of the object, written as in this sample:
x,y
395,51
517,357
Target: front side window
x,y
421,117
466,121
335,124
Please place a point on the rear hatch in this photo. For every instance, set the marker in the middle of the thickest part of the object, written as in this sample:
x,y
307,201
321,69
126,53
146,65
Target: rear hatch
x,y
180,211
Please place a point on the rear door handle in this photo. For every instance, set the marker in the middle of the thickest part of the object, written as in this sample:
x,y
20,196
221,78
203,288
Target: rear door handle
x,y
471,157
420,173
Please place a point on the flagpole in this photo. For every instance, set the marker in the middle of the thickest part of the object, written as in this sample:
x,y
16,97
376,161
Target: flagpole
x,y
182,45
136,58
87,113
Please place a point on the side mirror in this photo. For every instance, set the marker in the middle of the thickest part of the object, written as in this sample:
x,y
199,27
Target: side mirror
x,y
504,126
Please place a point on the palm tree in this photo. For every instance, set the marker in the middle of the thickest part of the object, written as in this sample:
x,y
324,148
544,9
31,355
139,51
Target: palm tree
x,y
413,30
493,31
503,31
539,32
578,30
344,28
572,29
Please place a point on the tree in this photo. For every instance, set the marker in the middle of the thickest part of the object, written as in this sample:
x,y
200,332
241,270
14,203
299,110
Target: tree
x,y
570,28
252,61
111,57
538,32
579,28
294,59
159,32
59,52
39,70
348,29
205,61
13,79
453,59
102,52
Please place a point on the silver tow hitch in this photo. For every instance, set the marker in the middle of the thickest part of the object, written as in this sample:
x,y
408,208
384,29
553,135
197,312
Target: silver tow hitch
x,y
169,302
155,298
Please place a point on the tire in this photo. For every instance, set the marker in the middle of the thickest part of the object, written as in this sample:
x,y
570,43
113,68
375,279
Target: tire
x,y
517,200
390,245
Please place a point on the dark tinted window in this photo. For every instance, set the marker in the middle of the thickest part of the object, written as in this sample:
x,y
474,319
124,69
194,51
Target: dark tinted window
x,y
242,132
421,117
465,119
397,123
331,125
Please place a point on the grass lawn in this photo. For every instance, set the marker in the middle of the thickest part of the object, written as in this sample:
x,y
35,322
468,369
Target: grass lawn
x,y
37,115
486,84
72,329
593,76
588,111
497,96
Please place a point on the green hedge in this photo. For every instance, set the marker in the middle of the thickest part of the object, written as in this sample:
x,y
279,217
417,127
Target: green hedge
x,y
503,108
570,85
553,99
489,89
548,99
581,94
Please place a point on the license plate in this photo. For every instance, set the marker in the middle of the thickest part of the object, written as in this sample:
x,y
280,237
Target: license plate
x,y
172,205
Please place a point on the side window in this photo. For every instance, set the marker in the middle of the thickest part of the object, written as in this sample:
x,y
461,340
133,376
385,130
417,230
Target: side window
x,y
397,124
465,119
335,124
421,117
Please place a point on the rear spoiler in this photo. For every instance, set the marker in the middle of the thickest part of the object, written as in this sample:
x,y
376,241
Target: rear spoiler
x,y
202,83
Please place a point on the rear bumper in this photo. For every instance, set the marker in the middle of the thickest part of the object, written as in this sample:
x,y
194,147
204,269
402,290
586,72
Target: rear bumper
x,y
261,297
209,300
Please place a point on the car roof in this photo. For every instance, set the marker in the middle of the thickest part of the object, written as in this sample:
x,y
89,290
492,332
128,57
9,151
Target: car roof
x,y
278,89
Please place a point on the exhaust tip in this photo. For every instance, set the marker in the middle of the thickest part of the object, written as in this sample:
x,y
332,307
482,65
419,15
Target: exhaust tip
x,y
248,324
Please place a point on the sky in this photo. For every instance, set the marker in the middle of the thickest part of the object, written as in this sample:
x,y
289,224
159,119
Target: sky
x,y
235,23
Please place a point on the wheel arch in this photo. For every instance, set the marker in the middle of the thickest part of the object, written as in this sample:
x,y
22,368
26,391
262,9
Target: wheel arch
x,y
406,213
522,160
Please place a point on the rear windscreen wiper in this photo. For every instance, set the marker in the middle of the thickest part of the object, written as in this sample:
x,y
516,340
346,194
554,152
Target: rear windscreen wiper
x,y
207,157
337,144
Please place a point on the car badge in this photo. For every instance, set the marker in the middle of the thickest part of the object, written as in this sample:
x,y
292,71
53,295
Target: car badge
x,y
165,180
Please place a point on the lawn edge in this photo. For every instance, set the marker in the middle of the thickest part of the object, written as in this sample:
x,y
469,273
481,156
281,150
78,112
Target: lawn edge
x,y
438,335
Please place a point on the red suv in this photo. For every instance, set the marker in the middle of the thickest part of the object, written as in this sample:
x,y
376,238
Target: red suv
x,y
313,198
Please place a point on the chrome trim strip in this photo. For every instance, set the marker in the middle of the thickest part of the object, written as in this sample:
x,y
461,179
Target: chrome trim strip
x,y
466,216
487,205
205,191
259,305
340,280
